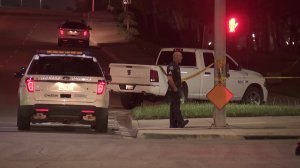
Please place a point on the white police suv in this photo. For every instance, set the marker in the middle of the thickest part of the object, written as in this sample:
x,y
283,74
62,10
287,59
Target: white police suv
x,y
63,86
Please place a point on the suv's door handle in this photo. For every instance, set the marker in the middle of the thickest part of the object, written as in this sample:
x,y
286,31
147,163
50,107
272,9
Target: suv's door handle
x,y
207,73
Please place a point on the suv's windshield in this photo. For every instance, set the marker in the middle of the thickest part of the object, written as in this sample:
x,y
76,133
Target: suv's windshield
x,y
74,25
69,66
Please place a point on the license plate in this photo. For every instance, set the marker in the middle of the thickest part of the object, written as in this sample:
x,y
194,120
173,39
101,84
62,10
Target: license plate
x,y
129,87
65,87
73,32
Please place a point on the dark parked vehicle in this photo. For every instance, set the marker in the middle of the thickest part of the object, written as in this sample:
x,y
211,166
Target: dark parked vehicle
x,y
73,32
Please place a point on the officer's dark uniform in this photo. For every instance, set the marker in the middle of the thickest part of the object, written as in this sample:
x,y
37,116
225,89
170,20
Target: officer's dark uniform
x,y
176,119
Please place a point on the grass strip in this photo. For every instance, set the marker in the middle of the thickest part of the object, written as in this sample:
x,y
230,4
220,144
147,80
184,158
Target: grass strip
x,y
205,110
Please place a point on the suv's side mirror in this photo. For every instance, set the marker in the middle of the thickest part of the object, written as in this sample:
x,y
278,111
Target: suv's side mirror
x,y
20,73
89,27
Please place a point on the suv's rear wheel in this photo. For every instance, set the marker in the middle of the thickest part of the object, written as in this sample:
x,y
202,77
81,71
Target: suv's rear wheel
x,y
101,121
253,95
23,121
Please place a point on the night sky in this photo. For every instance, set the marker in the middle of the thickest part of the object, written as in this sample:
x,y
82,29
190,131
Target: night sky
x,y
51,4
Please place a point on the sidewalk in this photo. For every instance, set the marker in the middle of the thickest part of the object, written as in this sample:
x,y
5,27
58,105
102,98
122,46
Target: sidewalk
x,y
239,128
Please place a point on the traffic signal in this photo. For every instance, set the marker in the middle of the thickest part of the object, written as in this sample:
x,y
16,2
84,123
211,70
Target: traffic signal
x,y
232,25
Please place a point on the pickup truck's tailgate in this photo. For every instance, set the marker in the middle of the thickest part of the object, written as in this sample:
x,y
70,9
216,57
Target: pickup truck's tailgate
x,y
130,74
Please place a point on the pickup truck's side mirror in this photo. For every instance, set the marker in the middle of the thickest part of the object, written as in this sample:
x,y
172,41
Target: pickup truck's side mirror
x,y
89,28
20,73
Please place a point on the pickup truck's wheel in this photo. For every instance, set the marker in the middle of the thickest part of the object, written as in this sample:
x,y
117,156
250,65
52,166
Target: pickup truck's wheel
x,y
101,121
253,95
131,100
23,121
184,93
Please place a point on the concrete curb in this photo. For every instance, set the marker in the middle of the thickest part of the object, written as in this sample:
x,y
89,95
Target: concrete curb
x,y
247,128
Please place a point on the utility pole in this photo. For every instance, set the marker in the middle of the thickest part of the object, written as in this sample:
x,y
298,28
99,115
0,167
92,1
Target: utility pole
x,y
21,3
127,17
125,4
220,57
0,3
40,4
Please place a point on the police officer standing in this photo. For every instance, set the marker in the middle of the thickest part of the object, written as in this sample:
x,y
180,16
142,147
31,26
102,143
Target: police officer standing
x,y
174,81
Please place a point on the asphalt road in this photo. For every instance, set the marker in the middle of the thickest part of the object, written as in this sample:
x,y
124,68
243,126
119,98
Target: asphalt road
x,y
79,146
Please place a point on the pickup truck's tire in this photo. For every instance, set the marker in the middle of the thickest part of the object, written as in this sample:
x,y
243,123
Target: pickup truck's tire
x,y
253,95
131,100
23,121
101,121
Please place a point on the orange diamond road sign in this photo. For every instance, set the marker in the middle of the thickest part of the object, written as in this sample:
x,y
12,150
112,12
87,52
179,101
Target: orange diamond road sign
x,y
219,96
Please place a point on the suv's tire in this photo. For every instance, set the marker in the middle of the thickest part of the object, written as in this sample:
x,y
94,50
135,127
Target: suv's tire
x,y
253,95
60,43
23,121
101,121
131,100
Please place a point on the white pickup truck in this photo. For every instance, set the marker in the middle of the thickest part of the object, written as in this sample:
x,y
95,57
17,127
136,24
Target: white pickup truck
x,y
138,82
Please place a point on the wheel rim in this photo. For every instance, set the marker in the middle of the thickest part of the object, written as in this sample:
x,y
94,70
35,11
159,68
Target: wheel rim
x,y
254,98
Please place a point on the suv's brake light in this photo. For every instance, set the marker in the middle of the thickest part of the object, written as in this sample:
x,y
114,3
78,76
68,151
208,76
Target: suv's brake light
x,y
101,86
61,32
85,33
153,76
29,84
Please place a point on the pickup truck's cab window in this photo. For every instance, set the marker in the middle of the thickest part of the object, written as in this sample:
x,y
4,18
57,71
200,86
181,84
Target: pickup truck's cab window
x,y
231,64
189,58
208,59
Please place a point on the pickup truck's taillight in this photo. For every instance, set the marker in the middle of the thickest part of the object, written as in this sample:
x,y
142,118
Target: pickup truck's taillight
x,y
101,87
153,76
29,84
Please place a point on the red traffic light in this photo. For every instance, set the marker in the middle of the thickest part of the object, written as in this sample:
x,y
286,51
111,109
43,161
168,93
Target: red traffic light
x,y
232,25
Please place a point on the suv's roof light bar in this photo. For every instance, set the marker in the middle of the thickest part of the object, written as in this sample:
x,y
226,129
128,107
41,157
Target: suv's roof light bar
x,y
63,52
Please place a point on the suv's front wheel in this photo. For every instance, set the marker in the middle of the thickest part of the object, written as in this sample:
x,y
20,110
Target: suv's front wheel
x,y
23,121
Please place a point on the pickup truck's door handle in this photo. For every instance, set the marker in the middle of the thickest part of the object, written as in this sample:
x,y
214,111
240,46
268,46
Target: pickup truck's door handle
x,y
207,73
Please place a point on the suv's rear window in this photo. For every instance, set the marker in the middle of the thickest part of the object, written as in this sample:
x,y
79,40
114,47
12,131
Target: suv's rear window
x,y
69,66
165,58
74,25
